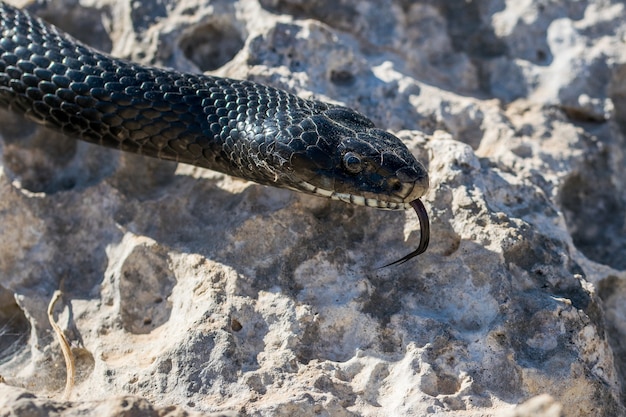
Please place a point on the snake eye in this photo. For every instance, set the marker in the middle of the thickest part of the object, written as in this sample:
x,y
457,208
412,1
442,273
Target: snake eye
x,y
352,163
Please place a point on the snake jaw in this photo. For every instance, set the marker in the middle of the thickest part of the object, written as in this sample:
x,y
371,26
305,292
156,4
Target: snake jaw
x,y
353,199
400,199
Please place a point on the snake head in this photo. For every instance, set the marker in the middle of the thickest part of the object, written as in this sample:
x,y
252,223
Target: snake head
x,y
340,154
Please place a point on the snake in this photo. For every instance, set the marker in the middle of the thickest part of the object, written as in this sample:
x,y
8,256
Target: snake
x,y
238,127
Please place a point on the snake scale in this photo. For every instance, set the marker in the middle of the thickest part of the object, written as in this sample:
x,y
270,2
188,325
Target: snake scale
x,y
240,128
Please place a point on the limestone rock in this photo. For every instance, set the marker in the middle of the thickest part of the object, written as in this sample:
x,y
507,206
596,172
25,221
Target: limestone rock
x,y
19,402
187,291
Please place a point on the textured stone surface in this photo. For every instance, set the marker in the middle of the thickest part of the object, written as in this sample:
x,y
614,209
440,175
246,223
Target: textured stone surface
x,y
188,291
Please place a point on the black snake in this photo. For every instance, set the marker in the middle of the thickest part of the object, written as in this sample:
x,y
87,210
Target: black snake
x,y
240,128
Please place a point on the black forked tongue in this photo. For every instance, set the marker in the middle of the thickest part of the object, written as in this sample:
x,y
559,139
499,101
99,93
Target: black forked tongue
x,y
424,233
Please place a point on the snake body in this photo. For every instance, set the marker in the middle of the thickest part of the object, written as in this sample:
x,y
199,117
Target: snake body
x,y
240,128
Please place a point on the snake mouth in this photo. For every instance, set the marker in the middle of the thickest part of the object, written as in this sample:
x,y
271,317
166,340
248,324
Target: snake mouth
x,y
355,199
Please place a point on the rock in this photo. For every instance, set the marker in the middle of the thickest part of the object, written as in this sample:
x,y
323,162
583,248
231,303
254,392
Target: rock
x,y
188,292
19,402
539,406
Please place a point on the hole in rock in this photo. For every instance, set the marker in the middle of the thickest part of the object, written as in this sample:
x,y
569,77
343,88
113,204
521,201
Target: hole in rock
x,y
342,78
146,284
468,31
594,213
212,45
14,327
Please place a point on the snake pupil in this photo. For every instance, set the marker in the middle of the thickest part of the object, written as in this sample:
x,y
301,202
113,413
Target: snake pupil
x,y
352,162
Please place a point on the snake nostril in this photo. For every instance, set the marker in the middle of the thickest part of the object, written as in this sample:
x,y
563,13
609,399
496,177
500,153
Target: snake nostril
x,y
396,185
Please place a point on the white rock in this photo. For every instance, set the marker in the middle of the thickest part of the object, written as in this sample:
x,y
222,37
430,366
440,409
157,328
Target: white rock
x,y
188,289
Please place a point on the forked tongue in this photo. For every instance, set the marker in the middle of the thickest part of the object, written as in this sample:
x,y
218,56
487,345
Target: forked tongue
x,y
422,215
